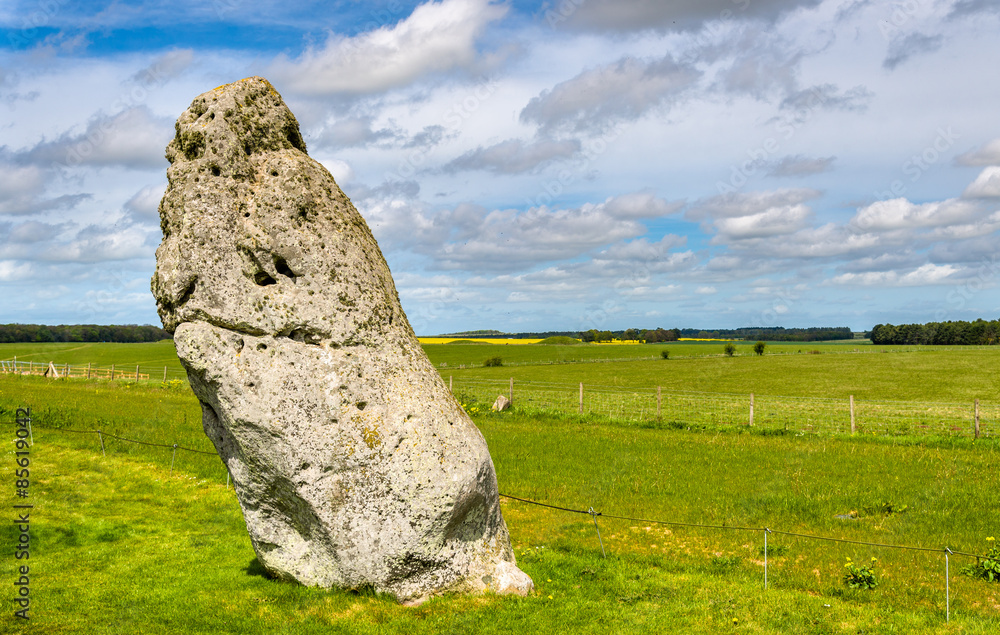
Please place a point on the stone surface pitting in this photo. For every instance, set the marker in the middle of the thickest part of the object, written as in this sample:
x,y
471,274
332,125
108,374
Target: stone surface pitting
x,y
352,462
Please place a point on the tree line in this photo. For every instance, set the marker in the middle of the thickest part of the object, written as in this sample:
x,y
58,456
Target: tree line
x,y
122,334
960,332
748,334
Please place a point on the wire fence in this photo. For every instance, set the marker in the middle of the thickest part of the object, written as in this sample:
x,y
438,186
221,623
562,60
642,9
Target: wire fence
x,y
114,372
24,422
685,409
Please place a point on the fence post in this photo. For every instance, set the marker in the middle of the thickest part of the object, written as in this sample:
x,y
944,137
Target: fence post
x,y
164,374
947,588
88,370
451,386
112,372
172,456
581,397
853,429
511,396
977,418
137,373
751,408
101,437
659,401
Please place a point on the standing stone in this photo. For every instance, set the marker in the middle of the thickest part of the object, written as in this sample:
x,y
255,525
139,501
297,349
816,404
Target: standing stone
x,y
353,464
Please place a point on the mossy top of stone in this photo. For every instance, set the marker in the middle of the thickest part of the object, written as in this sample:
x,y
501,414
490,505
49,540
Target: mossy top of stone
x,y
235,121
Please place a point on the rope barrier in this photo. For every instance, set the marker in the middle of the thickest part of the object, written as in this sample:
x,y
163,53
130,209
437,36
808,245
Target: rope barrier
x,y
766,530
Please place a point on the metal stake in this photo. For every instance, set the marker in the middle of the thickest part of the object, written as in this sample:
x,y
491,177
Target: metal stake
x,y
99,436
594,516
172,459
766,532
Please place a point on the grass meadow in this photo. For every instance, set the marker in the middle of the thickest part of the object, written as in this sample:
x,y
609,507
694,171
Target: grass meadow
x,y
122,544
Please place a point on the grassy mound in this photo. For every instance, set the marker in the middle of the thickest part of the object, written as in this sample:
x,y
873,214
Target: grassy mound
x,y
467,342
561,340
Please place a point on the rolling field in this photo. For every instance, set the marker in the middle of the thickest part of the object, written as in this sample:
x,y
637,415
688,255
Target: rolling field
x,y
121,543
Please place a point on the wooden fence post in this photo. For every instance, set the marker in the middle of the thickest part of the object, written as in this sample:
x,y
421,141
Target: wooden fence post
x,y
977,418
581,397
451,385
112,372
136,373
659,401
853,429
751,408
164,374
88,370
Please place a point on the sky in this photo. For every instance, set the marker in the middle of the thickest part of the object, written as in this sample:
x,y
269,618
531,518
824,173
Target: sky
x,y
538,166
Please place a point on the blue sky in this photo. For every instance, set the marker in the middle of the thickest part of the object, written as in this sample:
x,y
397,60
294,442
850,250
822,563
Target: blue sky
x,y
538,165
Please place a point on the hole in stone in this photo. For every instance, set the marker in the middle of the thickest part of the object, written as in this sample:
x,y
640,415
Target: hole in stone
x,y
263,279
211,116
247,149
262,346
304,336
216,171
281,266
187,292
274,173
246,214
361,405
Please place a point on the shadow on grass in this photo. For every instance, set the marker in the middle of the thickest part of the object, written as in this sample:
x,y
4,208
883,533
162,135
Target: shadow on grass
x,y
255,568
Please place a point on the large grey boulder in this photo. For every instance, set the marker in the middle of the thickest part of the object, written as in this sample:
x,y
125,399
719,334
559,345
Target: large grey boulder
x,y
353,464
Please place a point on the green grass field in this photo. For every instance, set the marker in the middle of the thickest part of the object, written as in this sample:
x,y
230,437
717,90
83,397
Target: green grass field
x,y
122,545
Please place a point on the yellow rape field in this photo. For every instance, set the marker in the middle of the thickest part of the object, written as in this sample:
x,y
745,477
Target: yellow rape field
x,y
478,340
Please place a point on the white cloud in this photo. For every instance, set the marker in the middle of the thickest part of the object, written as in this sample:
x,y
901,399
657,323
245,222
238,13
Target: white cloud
x,y
986,185
145,204
12,271
800,166
987,154
737,204
437,37
903,48
641,15
774,221
899,213
597,97
706,290
133,138
927,274
514,156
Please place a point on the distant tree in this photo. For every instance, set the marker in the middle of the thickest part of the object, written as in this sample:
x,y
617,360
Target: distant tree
x,y
665,354
729,349
759,347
